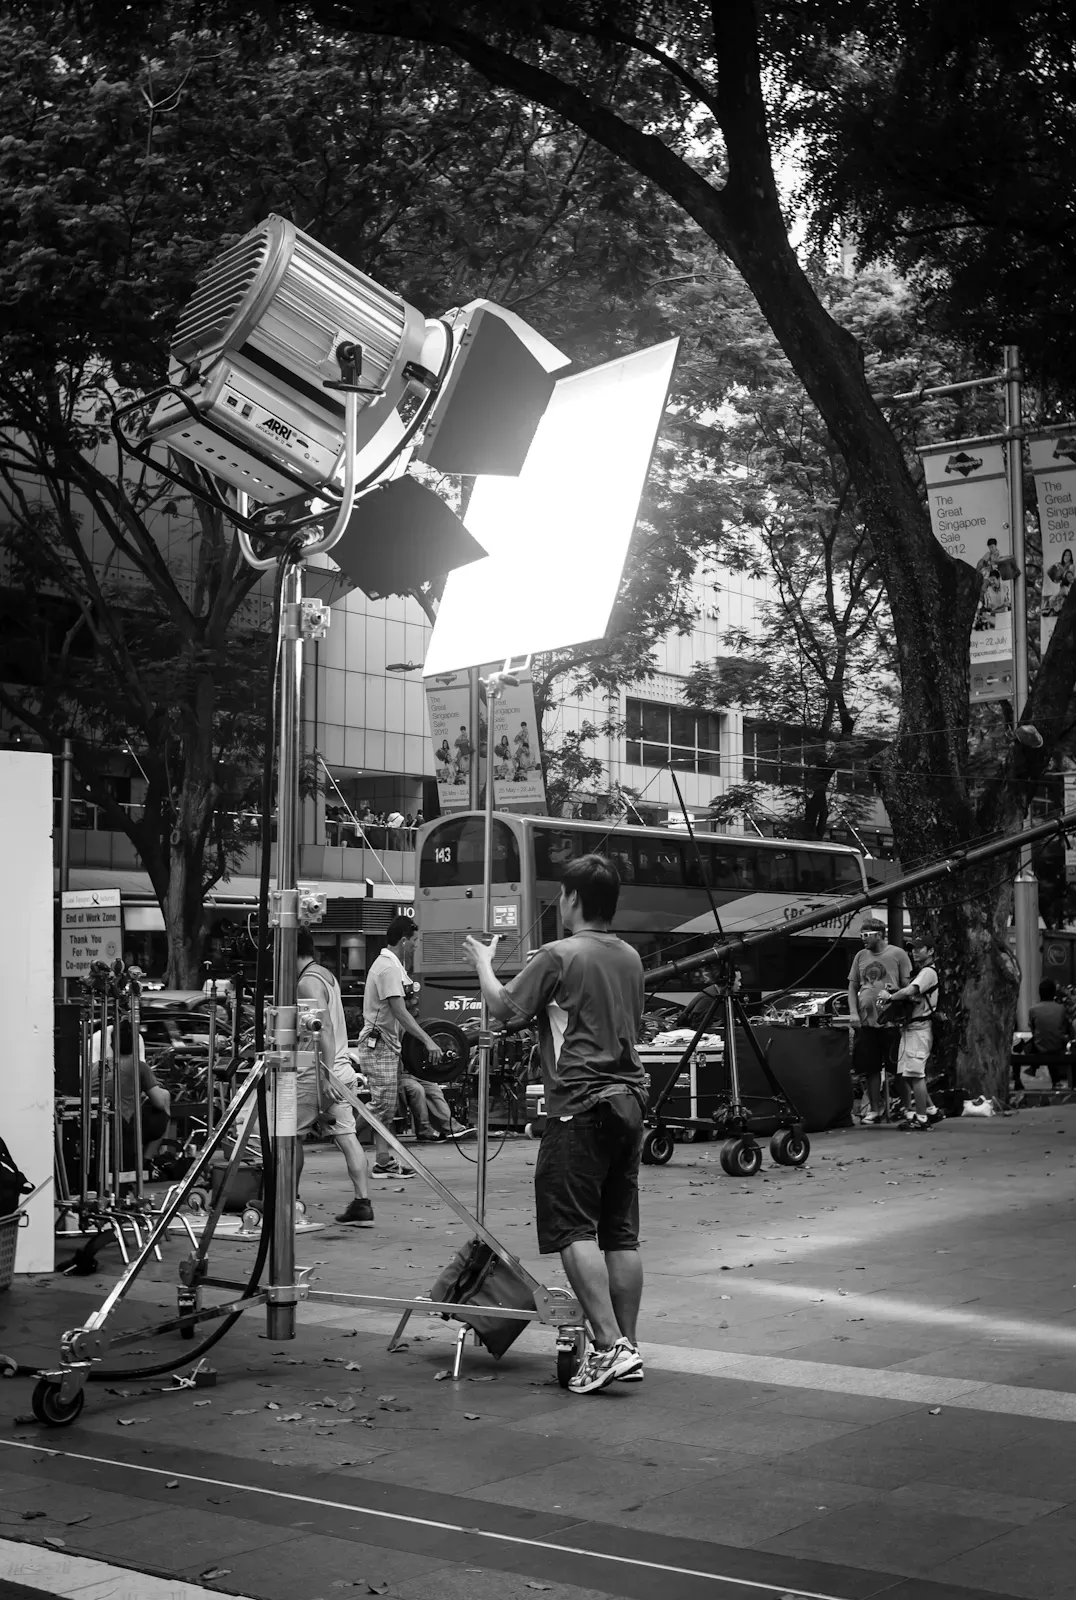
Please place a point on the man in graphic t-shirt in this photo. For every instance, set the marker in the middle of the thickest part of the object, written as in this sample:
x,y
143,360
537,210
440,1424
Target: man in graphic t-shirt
x,y
586,993
878,965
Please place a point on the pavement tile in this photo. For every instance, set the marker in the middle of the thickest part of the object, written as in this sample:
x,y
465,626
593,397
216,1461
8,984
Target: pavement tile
x,y
743,1508
907,1540
961,1501
1037,1561
457,1465
180,1540
63,1504
598,1483
309,1567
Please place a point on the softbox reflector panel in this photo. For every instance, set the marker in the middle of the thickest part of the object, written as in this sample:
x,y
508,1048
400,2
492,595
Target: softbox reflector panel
x,y
558,534
402,535
492,402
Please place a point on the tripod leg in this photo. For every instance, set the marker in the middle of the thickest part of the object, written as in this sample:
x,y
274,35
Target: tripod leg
x,y
398,1332
457,1354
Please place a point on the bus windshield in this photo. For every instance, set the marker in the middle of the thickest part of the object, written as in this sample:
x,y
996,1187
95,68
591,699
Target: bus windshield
x,y
452,855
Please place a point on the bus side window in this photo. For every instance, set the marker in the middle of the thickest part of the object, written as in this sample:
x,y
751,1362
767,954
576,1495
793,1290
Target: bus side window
x,y
776,871
815,872
620,856
659,863
553,849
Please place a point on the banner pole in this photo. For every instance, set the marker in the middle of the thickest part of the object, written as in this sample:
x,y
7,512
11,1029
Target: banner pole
x,y
1025,888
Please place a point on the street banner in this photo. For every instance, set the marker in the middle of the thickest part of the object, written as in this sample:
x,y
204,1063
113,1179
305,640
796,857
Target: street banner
x,y
968,496
518,780
454,745
91,929
1069,804
1053,461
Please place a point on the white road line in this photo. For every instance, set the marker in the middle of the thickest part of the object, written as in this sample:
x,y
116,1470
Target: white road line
x,y
469,1528
58,1573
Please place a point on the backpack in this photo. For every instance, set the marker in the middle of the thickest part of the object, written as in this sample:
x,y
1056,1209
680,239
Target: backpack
x,y
899,1013
13,1183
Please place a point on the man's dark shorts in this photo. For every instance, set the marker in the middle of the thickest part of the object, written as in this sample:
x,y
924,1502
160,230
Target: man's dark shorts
x,y
872,1050
586,1182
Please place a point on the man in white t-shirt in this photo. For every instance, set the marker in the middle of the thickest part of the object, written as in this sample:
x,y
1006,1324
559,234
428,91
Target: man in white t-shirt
x,y
316,1099
385,1020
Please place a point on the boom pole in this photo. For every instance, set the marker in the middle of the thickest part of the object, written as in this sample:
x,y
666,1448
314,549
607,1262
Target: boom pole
x,y
960,861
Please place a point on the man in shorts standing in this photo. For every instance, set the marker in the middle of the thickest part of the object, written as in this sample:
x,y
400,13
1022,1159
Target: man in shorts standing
x,y
917,1038
877,966
586,992
316,1098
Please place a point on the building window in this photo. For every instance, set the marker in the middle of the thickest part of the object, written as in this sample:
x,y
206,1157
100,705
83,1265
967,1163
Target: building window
x,y
772,754
673,736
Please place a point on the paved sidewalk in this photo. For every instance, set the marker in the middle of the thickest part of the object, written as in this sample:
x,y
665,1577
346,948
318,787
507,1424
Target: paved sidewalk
x,y
860,1382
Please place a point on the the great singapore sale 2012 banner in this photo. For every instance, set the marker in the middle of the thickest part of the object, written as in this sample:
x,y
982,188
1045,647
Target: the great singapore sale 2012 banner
x,y
968,496
518,781
1053,461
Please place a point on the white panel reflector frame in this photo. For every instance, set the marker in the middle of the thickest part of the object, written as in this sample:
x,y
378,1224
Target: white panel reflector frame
x,y
558,534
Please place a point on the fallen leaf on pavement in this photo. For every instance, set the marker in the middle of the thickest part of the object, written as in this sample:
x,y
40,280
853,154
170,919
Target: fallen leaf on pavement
x,y
215,1572
471,1416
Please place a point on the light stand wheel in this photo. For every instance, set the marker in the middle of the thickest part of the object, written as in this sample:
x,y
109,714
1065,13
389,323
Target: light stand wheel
x,y
658,1147
50,1409
790,1147
741,1158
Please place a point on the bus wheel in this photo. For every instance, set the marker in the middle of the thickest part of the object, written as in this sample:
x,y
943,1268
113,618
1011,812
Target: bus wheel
x,y
658,1147
741,1158
790,1147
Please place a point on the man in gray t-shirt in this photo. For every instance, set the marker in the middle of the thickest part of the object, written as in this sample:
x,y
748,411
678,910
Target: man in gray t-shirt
x,y
877,966
586,993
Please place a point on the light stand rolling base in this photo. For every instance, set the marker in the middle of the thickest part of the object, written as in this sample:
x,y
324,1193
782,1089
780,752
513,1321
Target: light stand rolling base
x,y
59,1395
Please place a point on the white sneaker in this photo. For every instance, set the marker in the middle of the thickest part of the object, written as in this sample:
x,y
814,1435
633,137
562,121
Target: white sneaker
x,y
635,1373
869,1118
599,1368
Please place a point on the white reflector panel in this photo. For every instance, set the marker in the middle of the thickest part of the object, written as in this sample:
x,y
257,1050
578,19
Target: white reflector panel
x,y
558,534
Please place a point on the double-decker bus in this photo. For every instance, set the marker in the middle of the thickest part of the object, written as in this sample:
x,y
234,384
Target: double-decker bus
x,y
755,883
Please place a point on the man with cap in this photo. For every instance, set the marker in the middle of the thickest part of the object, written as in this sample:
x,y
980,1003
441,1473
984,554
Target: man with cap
x,y
876,966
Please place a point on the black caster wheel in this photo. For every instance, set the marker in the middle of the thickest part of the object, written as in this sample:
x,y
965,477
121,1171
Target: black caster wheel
x,y
252,1218
790,1147
658,1147
568,1359
50,1409
741,1158
198,1200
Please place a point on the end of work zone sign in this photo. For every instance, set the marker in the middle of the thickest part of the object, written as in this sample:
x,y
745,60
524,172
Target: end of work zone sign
x,y
91,929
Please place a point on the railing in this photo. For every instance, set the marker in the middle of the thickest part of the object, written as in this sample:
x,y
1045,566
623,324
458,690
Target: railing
x,y
339,832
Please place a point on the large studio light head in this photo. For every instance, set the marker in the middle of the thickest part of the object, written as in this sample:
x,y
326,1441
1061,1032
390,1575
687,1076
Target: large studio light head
x,y
280,327
273,320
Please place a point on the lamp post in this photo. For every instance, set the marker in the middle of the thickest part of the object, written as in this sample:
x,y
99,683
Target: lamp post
x,y
1025,888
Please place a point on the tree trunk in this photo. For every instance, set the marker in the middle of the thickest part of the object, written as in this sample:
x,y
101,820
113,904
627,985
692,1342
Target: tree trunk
x,y
183,921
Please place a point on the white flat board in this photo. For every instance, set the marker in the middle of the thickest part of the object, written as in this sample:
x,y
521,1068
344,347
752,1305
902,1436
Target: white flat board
x,y
26,991
558,534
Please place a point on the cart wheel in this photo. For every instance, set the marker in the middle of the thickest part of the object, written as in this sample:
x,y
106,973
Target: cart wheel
x,y
568,1359
790,1147
50,1409
197,1200
741,1158
251,1218
658,1147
